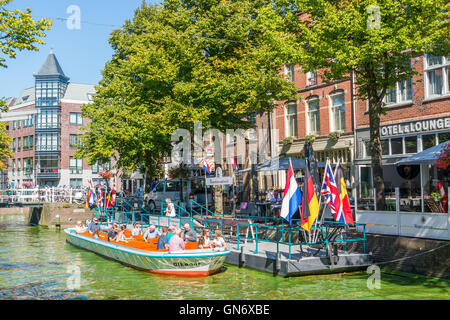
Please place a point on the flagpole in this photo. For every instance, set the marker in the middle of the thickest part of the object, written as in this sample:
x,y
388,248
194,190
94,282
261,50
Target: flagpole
x,y
315,236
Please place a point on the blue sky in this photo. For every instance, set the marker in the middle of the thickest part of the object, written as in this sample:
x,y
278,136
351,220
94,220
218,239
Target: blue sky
x,y
82,53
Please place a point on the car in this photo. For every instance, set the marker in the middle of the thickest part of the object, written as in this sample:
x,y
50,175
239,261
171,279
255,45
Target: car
x,y
181,192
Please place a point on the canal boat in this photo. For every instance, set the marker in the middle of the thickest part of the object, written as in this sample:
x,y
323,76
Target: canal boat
x,y
143,255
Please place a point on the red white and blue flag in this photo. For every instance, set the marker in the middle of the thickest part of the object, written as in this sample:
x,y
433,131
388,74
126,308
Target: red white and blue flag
x,y
292,197
331,192
100,196
208,165
233,162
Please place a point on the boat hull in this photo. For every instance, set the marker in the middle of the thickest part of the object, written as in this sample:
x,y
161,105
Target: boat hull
x,y
191,263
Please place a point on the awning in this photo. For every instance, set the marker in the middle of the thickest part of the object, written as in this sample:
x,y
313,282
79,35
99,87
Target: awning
x,y
282,164
428,156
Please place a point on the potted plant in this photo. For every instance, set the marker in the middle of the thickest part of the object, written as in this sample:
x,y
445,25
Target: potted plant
x,y
334,136
288,140
310,139
436,196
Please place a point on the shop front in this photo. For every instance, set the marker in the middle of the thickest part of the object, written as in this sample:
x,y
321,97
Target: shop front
x,y
415,191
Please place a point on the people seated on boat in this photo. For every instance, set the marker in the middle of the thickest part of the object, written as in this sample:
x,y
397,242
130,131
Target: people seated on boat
x,y
170,210
218,241
80,228
96,233
189,234
113,233
136,230
151,233
121,234
176,243
163,243
94,223
204,241
171,233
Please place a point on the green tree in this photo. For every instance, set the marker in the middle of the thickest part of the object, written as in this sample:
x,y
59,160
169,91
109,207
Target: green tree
x,y
373,40
180,62
18,32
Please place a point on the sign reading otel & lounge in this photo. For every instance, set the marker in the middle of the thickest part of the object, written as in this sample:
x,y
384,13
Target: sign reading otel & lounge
x,y
416,127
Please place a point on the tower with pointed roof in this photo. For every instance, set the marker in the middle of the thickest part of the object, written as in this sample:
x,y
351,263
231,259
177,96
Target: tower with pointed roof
x,y
50,87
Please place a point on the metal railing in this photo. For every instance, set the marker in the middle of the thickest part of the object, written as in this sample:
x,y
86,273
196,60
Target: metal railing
x,y
39,195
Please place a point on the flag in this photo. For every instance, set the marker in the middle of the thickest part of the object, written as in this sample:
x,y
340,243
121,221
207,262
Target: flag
x,y
310,205
100,196
292,197
91,194
208,165
331,193
113,195
441,190
345,202
88,198
233,162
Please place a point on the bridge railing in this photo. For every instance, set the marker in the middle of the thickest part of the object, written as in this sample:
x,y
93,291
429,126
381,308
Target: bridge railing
x,y
53,194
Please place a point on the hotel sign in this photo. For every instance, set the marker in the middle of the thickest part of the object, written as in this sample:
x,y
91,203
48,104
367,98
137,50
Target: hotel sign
x,y
415,127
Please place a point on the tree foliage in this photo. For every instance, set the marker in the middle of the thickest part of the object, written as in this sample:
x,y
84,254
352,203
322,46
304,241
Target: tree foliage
x,y
374,40
184,61
18,32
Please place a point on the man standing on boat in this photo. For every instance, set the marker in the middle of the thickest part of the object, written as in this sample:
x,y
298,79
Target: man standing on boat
x,y
189,234
170,210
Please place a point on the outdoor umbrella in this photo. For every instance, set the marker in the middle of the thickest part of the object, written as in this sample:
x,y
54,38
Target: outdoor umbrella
x,y
428,156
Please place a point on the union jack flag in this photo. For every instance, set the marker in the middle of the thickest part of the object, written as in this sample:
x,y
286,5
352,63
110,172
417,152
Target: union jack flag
x,y
331,192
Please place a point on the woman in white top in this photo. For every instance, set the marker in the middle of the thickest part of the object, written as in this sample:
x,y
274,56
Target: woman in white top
x,y
136,230
79,228
205,242
170,210
219,242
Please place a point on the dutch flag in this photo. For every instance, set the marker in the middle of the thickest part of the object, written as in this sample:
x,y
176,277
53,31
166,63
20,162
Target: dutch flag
x,y
292,197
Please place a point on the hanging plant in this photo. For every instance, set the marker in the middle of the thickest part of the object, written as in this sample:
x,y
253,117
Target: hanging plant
x,y
310,139
334,136
106,174
443,162
288,140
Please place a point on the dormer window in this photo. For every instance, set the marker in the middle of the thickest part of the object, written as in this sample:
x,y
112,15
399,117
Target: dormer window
x,y
311,78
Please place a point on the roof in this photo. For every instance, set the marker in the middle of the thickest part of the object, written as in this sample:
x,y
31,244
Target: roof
x,y
26,96
80,92
51,67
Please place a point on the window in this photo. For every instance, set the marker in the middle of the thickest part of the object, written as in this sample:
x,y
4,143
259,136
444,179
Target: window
x,y
47,142
385,147
28,166
311,78
76,183
14,125
18,144
313,115
160,187
47,119
443,137
18,166
74,141
428,141
75,165
397,146
436,76
401,92
96,168
291,110
289,72
75,118
411,144
338,110
13,167
14,145
172,186
47,164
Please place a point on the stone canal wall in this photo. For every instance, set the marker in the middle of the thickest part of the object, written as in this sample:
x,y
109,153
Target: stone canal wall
x,y
420,256
46,215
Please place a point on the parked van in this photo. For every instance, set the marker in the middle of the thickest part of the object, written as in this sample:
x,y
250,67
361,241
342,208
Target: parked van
x,y
181,192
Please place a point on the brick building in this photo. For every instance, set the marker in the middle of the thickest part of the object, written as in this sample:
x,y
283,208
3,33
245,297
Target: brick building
x,y
44,144
319,109
417,118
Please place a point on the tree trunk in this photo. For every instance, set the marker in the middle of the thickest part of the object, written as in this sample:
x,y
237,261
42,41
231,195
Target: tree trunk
x,y
375,150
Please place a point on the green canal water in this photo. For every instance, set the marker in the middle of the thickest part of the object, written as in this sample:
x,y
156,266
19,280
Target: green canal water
x,y
35,264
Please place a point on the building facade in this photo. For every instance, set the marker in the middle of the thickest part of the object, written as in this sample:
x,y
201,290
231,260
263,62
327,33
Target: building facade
x,y
322,113
44,144
417,118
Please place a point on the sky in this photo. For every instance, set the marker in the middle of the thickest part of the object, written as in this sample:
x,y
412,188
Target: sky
x,y
82,53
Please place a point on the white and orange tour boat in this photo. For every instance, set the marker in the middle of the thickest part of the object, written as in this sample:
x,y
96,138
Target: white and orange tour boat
x,y
143,255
